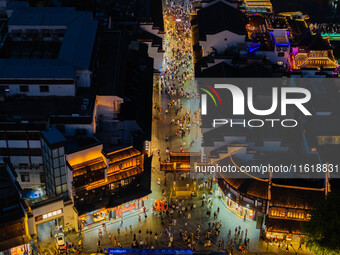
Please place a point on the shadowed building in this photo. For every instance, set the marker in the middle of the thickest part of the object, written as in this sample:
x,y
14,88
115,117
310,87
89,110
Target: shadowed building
x,y
315,52
14,237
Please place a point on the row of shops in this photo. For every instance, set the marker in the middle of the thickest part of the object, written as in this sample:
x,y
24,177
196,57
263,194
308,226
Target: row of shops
x,y
104,215
280,217
45,220
245,212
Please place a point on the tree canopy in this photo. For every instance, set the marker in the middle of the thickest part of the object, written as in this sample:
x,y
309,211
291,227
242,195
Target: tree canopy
x,y
323,230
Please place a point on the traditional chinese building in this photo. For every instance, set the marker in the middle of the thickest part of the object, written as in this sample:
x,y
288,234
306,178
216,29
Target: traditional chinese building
x,y
180,162
288,207
257,6
281,205
105,185
316,54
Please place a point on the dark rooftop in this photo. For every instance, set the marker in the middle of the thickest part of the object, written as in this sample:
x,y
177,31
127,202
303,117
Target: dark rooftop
x,y
112,62
10,198
325,125
295,197
76,143
71,120
53,136
219,17
17,108
75,31
319,43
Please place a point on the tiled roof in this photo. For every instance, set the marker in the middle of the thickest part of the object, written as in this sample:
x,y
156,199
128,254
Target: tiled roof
x,y
122,154
91,165
219,17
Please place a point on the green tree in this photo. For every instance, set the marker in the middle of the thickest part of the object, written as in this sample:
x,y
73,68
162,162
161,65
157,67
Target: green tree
x,y
323,230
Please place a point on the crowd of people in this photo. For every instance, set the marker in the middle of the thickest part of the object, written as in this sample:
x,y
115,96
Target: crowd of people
x,y
176,86
176,79
173,234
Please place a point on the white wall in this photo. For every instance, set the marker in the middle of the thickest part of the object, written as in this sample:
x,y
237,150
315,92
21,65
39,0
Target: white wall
x,y
34,27
227,140
107,106
156,55
17,143
69,177
34,90
16,160
148,28
34,178
218,42
70,216
34,144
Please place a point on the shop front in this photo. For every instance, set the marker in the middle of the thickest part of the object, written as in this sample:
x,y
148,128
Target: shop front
x,y
244,212
24,249
105,215
161,205
230,200
278,237
278,230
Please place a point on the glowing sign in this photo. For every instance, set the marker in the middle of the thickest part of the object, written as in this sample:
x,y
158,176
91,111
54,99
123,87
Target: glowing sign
x,y
48,215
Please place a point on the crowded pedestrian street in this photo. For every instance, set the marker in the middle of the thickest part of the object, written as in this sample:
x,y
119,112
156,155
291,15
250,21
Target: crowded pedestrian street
x,y
175,106
168,127
197,220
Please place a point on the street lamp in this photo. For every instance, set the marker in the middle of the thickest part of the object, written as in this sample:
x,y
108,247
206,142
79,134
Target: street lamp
x,y
293,248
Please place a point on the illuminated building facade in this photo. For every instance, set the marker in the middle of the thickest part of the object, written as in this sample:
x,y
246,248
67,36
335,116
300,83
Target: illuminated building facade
x,y
179,161
280,207
100,183
247,198
318,54
257,6
288,207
